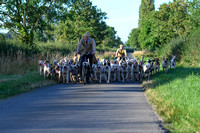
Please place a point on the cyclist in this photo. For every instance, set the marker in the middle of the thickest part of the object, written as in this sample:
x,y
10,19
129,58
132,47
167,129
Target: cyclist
x,y
86,45
121,53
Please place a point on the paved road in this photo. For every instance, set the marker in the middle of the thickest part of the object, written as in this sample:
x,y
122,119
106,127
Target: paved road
x,y
77,108
93,108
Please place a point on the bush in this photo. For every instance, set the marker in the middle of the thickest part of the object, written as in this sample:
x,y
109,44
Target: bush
x,y
24,59
12,48
191,54
174,47
101,49
63,48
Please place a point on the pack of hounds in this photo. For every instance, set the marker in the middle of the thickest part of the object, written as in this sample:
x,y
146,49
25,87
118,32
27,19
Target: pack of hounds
x,y
128,70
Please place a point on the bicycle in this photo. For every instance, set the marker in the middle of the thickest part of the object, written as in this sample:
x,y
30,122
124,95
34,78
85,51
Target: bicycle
x,y
85,68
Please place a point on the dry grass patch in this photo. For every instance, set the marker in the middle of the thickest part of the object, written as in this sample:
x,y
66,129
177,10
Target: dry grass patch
x,y
138,54
106,55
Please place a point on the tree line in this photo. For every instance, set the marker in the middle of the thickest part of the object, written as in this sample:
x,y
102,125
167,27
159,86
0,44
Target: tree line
x,y
156,28
32,21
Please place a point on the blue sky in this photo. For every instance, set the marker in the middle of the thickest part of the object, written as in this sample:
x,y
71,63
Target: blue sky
x,y
123,15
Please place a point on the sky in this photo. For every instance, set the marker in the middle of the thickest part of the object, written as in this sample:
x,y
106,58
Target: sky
x,y
123,15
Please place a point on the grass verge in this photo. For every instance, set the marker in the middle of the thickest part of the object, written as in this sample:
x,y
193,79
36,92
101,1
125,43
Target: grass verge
x,y
175,96
11,85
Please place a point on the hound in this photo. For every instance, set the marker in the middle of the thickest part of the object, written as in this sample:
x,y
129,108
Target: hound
x,y
146,70
107,71
74,73
135,71
123,71
152,68
173,62
98,72
157,65
47,69
41,67
128,69
65,73
58,69
115,71
141,70
165,65
85,71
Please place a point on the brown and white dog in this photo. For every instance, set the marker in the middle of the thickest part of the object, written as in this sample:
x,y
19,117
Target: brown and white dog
x,y
157,65
47,69
152,68
165,64
141,71
98,72
106,71
85,70
123,70
115,71
65,73
58,69
41,63
74,73
146,70
128,69
134,70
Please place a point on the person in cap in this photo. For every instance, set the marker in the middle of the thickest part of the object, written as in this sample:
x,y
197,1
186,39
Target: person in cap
x,y
86,45
121,53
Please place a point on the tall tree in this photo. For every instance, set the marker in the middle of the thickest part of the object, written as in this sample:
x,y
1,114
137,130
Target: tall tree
x,y
133,38
145,7
111,40
159,27
83,17
23,17
194,11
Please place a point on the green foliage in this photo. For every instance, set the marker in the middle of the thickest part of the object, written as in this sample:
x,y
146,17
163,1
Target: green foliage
x,y
191,48
176,98
2,36
145,8
110,38
63,47
11,85
147,36
82,17
194,11
133,38
103,49
13,47
187,49
159,27
24,17
46,34
174,47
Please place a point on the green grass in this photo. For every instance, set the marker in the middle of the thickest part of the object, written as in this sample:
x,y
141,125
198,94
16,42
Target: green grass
x,y
11,85
8,77
176,97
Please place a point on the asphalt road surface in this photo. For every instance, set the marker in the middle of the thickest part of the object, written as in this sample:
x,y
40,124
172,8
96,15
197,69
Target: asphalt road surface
x,y
78,108
92,108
